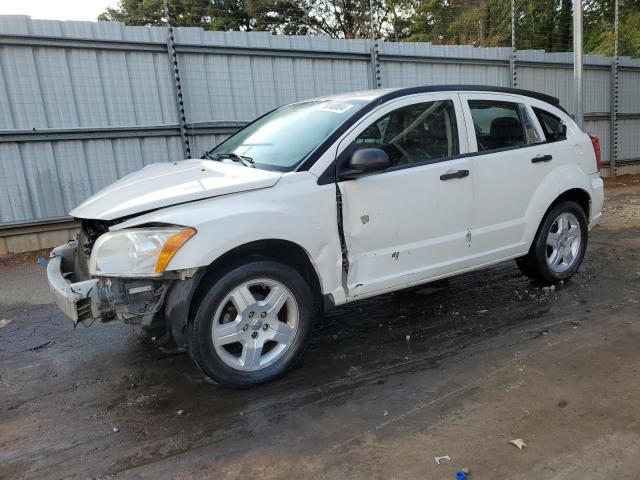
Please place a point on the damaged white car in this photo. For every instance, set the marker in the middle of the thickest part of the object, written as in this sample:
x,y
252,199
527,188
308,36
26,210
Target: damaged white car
x,y
328,201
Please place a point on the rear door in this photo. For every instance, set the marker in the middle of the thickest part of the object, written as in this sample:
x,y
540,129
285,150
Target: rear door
x,y
511,160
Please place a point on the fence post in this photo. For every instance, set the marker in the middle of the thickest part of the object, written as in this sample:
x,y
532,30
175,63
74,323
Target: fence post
x,y
577,62
375,51
613,144
173,58
512,58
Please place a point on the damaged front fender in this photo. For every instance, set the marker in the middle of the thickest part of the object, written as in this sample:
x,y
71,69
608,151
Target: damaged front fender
x,y
177,305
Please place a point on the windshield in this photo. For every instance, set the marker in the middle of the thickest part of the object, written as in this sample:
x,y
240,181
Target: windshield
x,y
283,138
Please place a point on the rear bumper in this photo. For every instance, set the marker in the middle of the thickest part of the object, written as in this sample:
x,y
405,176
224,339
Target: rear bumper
x,y
80,300
597,200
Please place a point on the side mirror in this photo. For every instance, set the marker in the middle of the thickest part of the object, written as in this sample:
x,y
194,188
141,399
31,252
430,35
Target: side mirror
x,y
363,161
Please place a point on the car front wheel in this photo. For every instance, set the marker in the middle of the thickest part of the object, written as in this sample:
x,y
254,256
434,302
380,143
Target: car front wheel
x,y
252,324
559,246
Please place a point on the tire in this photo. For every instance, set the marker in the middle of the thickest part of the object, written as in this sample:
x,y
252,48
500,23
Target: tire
x,y
557,251
260,314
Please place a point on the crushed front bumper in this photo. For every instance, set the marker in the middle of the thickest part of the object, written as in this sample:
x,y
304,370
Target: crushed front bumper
x,y
80,300
133,300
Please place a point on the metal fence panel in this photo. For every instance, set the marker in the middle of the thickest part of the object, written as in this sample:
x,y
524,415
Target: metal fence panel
x,y
85,103
629,91
629,139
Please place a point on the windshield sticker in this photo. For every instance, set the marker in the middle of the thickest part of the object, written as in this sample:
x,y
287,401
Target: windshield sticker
x,y
335,107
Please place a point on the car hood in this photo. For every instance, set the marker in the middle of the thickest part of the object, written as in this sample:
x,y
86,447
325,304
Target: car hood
x,y
165,184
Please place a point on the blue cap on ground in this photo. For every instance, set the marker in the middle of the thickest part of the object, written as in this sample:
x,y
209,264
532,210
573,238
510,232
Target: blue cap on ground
x,y
461,475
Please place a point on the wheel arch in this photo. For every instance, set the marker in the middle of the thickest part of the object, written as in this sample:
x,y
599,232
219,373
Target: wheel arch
x,y
184,296
530,264
566,182
576,194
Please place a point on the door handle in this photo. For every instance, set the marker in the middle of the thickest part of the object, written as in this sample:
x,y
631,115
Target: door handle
x,y
541,158
457,174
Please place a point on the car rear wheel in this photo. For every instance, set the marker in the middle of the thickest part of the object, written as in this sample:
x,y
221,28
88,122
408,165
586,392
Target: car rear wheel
x,y
252,324
559,245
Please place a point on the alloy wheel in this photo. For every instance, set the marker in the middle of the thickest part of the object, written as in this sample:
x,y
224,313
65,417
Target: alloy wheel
x,y
255,324
563,242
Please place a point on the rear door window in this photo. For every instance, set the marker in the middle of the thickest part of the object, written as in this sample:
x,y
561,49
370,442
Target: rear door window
x,y
554,129
499,125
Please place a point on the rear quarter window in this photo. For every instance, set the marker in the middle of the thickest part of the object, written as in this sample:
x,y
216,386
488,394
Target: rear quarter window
x,y
553,127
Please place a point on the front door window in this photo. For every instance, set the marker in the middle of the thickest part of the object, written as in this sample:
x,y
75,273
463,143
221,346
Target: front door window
x,y
414,134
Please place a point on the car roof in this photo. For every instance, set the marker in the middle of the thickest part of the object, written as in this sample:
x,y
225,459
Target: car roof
x,y
385,94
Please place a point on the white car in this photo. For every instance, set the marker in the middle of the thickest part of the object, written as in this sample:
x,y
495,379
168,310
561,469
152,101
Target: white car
x,y
325,202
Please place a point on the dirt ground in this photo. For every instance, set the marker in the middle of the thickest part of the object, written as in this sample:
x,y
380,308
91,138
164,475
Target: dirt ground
x,y
385,386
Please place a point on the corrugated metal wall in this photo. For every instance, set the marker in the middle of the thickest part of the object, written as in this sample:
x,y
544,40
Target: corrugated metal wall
x,y
84,103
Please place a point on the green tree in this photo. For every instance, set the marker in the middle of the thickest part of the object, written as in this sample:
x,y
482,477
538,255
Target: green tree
x,y
335,18
150,12
479,22
599,33
540,24
537,25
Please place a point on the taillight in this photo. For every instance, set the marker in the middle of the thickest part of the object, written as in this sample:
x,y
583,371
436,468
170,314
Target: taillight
x,y
595,141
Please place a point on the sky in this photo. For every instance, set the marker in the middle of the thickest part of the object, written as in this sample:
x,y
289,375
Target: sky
x,y
56,10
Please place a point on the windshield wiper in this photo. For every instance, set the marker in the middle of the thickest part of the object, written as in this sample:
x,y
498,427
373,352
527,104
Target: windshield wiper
x,y
246,161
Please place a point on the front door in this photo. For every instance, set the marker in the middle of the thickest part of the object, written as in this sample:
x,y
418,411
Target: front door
x,y
411,222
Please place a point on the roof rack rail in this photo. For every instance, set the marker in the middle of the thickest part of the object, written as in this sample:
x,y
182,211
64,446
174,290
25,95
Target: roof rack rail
x,y
401,92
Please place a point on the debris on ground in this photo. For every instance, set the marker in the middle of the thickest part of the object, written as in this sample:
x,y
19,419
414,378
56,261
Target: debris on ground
x,y
115,429
462,474
21,259
39,347
441,458
4,322
180,412
562,403
42,261
518,442
483,311
386,412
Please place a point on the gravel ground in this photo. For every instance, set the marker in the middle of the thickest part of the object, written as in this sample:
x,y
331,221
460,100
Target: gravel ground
x,y
386,385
